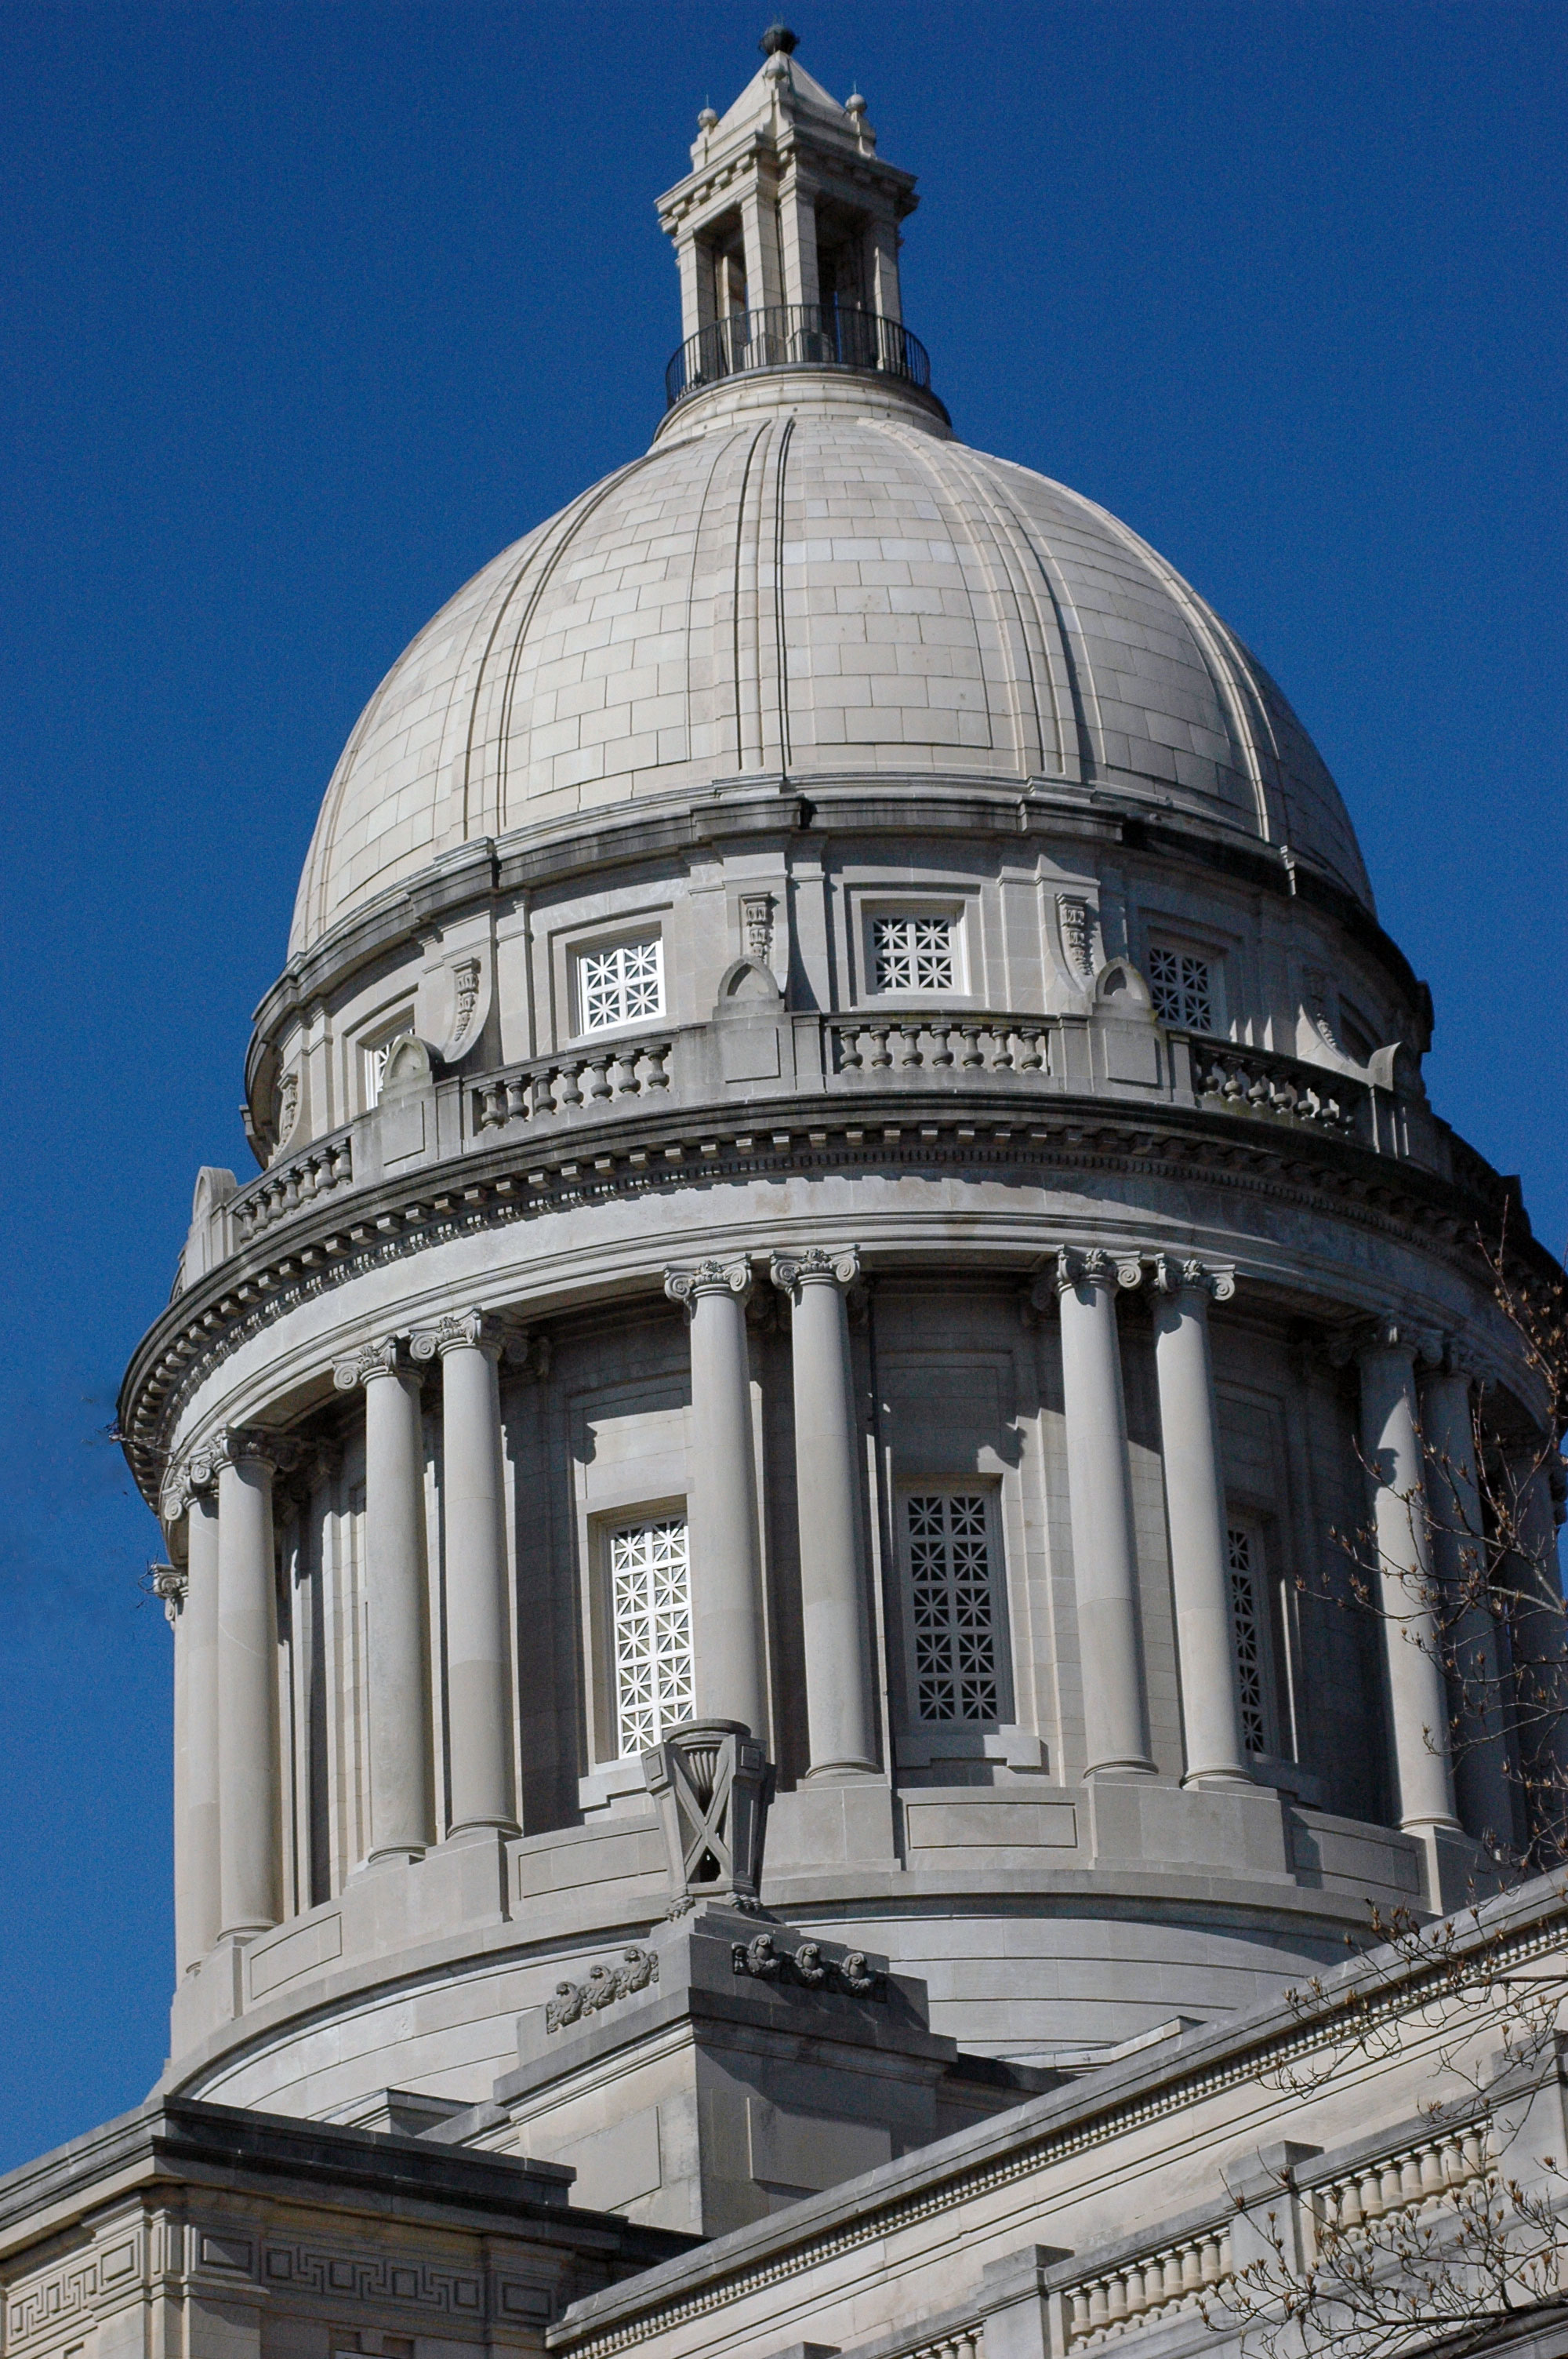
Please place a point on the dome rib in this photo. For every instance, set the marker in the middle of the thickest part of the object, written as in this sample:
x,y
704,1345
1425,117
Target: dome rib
x,y
793,585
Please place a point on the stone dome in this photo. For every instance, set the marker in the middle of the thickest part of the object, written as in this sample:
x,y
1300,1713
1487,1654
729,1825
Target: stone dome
x,y
810,577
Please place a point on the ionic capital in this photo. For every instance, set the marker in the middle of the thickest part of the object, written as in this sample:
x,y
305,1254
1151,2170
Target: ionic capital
x,y
461,1331
384,1358
248,1445
1389,1335
709,1278
1177,1277
170,1583
817,1266
1093,1265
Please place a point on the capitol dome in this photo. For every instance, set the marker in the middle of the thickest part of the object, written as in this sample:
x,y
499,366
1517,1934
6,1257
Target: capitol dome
x,y
824,587
847,1207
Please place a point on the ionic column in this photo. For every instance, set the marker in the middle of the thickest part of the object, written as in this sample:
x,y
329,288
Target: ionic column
x,y
827,1505
479,1667
1195,1513
198,1890
402,1809
1481,1779
726,1567
1418,1694
1540,1648
170,1584
1105,1566
246,1459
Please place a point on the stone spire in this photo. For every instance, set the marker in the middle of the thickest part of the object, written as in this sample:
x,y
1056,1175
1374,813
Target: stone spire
x,y
787,201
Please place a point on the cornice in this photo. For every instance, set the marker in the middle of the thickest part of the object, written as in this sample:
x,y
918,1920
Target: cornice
x,y
625,1157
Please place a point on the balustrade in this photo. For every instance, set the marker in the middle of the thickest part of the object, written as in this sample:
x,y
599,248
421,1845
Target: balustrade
x,y
1172,2277
1265,1082
1427,2174
554,1086
918,1043
289,1186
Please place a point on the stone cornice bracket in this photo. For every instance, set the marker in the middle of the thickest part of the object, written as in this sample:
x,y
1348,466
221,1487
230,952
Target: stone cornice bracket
x,y
840,1267
1175,1277
683,1285
1094,1266
170,1584
243,1445
478,1331
386,1358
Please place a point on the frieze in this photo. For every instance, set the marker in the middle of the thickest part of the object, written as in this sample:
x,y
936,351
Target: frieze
x,y
806,1968
602,1986
374,2277
239,1304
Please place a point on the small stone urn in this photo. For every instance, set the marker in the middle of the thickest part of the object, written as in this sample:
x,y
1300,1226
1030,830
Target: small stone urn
x,y
713,1783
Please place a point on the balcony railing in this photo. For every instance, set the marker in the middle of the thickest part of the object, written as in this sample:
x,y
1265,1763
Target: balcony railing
x,y
796,335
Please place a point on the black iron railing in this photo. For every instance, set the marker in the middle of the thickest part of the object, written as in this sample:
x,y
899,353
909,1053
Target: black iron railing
x,y
796,335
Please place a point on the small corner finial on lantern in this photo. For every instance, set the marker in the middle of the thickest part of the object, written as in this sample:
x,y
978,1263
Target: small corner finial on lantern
x,y
778,40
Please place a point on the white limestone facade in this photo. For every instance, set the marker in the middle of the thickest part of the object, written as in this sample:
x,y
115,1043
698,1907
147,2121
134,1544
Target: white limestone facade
x,y
843,1149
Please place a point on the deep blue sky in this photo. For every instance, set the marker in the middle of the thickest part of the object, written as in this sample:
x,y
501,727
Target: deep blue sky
x,y
311,308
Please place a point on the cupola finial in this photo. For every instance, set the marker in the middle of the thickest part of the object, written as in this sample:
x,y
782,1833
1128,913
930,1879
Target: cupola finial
x,y
779,39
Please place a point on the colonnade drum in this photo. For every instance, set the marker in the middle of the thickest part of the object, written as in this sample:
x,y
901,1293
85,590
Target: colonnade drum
x,y
841,1149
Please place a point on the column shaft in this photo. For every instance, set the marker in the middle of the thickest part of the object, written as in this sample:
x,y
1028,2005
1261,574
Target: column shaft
x,y
1105,1569
1540,1655
726,1566
199,1636
1418,1694
841,1730
247,1694
401,1800
478,1665
1195,1509
1482,1785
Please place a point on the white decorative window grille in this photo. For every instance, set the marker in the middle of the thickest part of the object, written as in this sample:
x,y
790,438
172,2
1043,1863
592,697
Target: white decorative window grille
x,y
650,1599
1182,985
952,1606
623,985
376,1060
1247,1612
915,954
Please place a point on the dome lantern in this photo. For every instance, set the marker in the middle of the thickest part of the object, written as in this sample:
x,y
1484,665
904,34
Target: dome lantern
x,y
786,231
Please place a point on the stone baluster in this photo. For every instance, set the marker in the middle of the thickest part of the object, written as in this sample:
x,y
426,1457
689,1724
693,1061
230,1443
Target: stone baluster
x,y
1418,1694
479,1667
246,1459
1105,1566
1481,1779
842,1739
1195,1513
402,1810
726,1567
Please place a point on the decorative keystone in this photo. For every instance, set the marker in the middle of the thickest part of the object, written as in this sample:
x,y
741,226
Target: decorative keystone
x,y
839,1268
1193,1277
709,1278
712,1783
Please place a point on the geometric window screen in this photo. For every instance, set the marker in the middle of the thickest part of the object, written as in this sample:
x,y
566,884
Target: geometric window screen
x,y
1246,1634
650,1592
915,954
623,985
1181,988
952,1606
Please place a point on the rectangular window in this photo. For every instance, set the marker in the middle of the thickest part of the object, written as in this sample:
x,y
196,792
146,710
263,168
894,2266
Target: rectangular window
x,y
375,1052
915,954
623,984
1249,1635
650,1612
1182,987
953,1606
